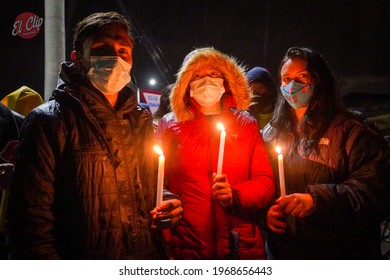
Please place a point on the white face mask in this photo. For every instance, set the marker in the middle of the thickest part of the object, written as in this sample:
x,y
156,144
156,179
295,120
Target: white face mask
x,y
109,74
207,91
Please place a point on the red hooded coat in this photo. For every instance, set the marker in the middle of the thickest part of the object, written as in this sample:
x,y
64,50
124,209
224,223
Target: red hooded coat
x,y
191,144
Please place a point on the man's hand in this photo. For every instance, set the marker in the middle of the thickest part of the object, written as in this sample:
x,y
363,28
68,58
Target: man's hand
x,y
168,214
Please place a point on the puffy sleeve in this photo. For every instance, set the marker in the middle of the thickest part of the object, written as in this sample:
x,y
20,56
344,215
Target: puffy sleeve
x,y
32,190
259,189
364,197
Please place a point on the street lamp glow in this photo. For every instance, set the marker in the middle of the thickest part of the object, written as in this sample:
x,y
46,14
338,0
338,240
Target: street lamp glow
x,y
152,82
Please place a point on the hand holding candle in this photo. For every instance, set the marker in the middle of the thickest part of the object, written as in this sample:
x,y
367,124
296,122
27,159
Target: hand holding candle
x,y
160,177
221,148
281,172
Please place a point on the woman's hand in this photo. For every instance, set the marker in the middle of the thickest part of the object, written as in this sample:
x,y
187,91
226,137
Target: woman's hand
x,y
221,190
297,204
275,219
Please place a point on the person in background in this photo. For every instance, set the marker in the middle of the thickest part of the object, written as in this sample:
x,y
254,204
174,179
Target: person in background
x,y
6,170
164,106
265,95
22,100
84,184
336,169
10,125
220,208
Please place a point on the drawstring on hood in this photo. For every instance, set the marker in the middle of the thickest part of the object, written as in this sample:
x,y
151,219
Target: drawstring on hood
x,y
233,74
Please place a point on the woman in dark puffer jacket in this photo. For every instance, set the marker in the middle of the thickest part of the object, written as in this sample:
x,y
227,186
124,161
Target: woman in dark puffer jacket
x,y
336,169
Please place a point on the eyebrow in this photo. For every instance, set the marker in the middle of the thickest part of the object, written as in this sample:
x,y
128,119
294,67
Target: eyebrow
x,y
305,70
122,43
125,43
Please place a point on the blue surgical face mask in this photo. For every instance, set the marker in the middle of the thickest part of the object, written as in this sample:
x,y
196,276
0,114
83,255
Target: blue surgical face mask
x,y
297,94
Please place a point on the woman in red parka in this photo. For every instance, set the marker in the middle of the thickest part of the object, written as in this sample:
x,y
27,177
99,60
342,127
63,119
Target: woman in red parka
x,y
220,210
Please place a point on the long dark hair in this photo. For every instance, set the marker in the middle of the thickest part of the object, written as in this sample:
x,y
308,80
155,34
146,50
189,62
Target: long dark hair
x,y
322,108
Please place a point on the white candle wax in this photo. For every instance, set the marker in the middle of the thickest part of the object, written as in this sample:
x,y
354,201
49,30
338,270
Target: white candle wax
x,y
221,148
160,179
281,172
160,176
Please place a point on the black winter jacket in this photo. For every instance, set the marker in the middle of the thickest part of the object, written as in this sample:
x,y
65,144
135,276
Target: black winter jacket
x,y
84,179
350,185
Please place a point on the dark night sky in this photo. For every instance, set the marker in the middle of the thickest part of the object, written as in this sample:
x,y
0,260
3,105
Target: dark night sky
x,y
352,34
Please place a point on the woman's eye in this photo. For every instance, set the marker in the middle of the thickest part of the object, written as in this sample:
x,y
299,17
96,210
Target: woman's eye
x,y
124,52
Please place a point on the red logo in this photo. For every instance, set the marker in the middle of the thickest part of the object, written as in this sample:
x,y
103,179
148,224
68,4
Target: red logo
x,y
27,25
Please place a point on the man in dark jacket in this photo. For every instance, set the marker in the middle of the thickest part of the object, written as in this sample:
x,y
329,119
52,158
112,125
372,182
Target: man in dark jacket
x,y
84,184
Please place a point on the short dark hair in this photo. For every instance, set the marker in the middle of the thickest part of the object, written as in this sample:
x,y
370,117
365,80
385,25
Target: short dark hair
x,y
96,22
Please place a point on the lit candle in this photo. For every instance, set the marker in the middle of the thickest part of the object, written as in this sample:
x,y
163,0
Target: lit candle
x,y
160,177
281,172
221,147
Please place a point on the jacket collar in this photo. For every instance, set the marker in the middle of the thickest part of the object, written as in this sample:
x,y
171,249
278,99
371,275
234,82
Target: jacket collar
x,y
75,84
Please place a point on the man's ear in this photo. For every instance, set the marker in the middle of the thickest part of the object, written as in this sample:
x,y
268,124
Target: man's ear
x,y
73,56
76,59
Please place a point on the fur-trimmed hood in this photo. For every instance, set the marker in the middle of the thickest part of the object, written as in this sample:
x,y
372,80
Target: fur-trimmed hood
x,y
233,74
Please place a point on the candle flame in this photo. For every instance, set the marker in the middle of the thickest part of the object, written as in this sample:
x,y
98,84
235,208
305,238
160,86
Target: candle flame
x,y
278,149
220,126
158,150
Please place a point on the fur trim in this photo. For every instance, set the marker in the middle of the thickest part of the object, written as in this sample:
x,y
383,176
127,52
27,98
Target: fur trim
x,y
232,72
